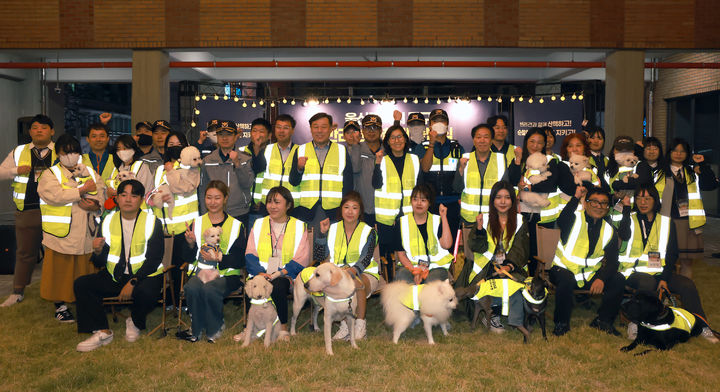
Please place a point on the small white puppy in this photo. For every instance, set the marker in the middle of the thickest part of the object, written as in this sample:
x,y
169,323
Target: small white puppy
x,y
262,314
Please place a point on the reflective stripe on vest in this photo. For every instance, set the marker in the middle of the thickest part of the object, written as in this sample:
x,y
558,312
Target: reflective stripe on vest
x,y
56,220
411,298
504,290
230,232
277,172
113,182
475,197
573,254
394,196
344,253
263,240
22,157
636,256
414,245
185,210
481,259
682,320
696,211
322,183
143,230
447,164
257,186
107,170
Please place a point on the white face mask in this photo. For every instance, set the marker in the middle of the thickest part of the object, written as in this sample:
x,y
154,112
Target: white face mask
x,y
212,136
69,160
440,128
417,133
126,155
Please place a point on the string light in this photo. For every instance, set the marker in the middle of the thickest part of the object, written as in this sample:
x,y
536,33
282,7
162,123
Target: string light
x,y
512,99
284,100
479,98
542,100
349,100
574,96
339,100
553,98
521,98
236,99
272,104
225,97
292,102
261,102
197,111
562,97
327,100
374,100
438,101
362,101
204,97
244,104
499,99
530,100
253,104
216,97
304,103
415,100
192,124
197,98
489,98
405,100
426,100
580,96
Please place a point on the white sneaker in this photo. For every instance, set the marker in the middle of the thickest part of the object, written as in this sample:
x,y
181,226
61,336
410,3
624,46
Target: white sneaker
x,y
12,300
360,329
708,334
132,333
342,333
98,339
632,331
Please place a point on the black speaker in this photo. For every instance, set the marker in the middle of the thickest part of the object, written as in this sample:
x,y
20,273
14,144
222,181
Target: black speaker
x,y
7,250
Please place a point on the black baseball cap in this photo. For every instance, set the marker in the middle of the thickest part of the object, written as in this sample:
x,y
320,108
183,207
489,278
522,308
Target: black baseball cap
x,y
161,124
145,124
212,125
351,124
415,117
372,119
226,125
438,113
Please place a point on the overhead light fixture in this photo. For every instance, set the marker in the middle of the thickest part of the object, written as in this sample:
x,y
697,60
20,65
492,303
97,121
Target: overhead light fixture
x,y
197,111
292,102
499,99
244,104
192,124
204,97
197,98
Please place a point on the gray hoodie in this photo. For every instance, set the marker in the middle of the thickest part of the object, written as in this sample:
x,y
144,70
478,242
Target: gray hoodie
x,y
239,181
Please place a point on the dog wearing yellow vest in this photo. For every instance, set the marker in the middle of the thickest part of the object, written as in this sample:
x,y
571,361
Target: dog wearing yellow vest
x,y
301,295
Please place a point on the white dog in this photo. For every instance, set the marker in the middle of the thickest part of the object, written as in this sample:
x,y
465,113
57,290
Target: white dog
x,y
340,299
433,302
301,295
536,171
262,314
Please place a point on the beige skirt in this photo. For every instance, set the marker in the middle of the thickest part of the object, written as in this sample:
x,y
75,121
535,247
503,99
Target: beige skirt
x,y
59,272
690,244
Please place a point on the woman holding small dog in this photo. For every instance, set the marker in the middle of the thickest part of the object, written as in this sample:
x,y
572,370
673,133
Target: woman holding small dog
x,y
277,249
353,243
126,158
207,287
426,239
648,261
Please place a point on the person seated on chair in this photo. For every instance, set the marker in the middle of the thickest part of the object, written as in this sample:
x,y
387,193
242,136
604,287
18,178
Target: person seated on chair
x,y
586,238
131,249
205,299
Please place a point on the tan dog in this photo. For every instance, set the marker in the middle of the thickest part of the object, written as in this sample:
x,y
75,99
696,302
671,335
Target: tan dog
x,y
301,295
433,302
262,314
340,299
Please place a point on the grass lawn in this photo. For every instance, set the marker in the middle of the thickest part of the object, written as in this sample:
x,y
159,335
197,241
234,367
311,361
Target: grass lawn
x,y
38,353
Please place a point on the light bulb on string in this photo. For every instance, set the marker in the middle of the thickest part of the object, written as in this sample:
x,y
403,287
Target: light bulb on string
x,y
197,98
292,102
374,100
253,104
216,97
197,111
553,98
499,99
580,96
574,96
449,100
236,99
349,100
244,104
339,100
262,102
362,101
521,98
225,97
489,98
530,100
204,97
405,100
512,99
415,100
272,104
541,100
479,98
192,124
426,100
438,101
562,97
284,100
304,103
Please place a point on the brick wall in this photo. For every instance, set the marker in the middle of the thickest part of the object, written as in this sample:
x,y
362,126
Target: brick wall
x,y
690,24
680,82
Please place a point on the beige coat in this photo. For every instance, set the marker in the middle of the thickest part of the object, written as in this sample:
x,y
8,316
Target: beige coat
x,y
79,240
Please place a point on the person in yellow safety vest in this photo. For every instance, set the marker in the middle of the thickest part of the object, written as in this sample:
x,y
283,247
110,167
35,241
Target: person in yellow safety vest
x,y
560,181
679,186
98,138
323,172
621,173
596,141
499,124
475,177
185,210
23,165
205,300
126,157
395,175
259,138
426,239
350,244
69,204
499,241
651,163
278,249
587,257
550,142
576,144
274,163
133,269
648,261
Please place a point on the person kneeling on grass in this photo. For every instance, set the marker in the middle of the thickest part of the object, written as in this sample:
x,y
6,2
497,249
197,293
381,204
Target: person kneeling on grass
x,y
131,249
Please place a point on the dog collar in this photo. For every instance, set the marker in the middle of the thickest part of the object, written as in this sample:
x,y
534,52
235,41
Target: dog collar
x,y
260,301
185,166
331,299
529,298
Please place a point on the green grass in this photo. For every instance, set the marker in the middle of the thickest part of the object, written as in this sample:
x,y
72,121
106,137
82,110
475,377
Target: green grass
x,y
38,354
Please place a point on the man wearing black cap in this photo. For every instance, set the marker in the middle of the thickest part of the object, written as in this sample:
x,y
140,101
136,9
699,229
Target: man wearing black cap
x,y
351,133
143,136
416,130
439,164
232,168
160,131
207,140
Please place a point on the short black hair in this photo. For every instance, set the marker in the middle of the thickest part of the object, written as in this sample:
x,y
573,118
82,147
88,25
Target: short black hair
x,y
284,193
424,190
286,118
42,119
597,191
67,144
136,187
99,126
261,121
596,130
494,119
652,192
483,125
321,115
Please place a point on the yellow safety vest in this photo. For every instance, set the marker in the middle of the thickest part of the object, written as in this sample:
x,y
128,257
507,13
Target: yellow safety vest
x,y
322,183
481,259
475,197
564,198
696,211
552,211
231,229
343,253
56,220
447,164
305,275
573,254
112,232
683,320
414,245
394,196
257,187
635,258
262,235
411,298
107,170
500,288
186,207
113,182
277,172
22,157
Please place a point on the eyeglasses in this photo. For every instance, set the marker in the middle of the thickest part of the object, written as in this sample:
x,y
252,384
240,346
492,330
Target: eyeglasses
x,y
372,128
397,137
598,204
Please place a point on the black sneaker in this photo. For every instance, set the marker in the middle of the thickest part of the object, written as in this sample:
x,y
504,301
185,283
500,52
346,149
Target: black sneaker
x,y
604,326
63,315
186,335
561,329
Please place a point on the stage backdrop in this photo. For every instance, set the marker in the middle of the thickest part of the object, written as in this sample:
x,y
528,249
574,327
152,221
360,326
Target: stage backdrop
x,y
229,110
463,116
565,117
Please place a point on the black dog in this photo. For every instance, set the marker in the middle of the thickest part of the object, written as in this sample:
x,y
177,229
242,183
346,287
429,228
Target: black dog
x,y
535,302
660,326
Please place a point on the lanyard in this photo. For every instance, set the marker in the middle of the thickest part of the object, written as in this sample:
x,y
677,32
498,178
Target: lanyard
x,y
274,238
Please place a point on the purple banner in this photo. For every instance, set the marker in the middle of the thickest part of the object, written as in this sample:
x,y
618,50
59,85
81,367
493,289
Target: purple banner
x,y
565,118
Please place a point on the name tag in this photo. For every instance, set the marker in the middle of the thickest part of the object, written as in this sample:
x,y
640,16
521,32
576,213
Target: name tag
x,y
654,260
683,206
424,263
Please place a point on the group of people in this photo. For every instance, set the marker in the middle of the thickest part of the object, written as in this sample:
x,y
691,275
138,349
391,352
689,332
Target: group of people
x,y
406,197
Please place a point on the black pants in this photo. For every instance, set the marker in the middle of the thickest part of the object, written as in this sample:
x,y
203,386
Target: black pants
x,y
677,284
177,260
91,289
565,283
281,290
453,218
